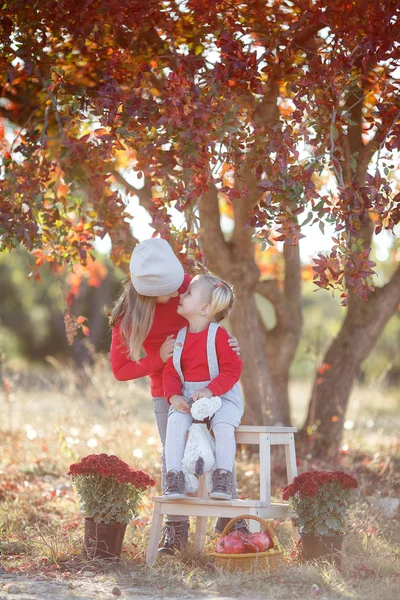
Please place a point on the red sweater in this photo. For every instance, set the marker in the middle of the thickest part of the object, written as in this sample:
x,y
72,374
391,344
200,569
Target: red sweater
x,y
194,364
166,322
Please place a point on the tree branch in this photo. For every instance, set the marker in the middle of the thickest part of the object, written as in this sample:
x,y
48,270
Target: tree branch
x,y
292,285
376,144
215,247
144,194
269,289
389,294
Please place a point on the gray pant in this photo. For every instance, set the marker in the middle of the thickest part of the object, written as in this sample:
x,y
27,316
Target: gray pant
x,y
161,408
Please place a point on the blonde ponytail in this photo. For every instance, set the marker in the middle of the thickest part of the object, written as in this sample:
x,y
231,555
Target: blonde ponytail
x,y
222,297
135,314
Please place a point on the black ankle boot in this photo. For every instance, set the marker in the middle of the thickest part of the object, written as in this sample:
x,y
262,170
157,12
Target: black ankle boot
x,y
174,536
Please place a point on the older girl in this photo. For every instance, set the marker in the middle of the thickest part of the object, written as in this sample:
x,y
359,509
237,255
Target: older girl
x,y
145,317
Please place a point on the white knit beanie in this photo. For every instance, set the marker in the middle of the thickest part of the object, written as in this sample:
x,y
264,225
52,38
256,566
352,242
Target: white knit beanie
x,y
155,270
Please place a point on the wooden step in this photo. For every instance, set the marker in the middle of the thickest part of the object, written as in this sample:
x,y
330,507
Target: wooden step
x,y
222,508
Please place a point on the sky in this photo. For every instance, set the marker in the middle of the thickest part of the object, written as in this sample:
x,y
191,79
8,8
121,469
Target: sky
x,y
314,242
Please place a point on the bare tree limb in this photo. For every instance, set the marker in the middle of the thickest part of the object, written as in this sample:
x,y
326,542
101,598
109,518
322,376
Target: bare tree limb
x,y
217,249
144,194
269,289
292,285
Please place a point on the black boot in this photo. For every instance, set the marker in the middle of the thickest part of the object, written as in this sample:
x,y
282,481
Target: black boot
x,y
222,522
174,536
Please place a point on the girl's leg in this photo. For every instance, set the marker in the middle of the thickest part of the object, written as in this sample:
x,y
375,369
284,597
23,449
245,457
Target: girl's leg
x,y
161,408
225,457
225,446
177,428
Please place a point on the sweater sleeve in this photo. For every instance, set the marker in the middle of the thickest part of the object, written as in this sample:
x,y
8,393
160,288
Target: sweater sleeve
x,y
123,367
171,380
230,365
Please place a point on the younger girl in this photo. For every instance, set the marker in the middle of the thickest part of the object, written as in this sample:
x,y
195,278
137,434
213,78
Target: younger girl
x,y
203,364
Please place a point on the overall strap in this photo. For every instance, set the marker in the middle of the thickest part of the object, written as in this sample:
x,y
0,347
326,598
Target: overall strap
x,y
178,347
211,351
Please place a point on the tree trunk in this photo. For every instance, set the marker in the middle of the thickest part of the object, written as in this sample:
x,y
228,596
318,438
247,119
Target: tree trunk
x,y
263,406
267,356
361,329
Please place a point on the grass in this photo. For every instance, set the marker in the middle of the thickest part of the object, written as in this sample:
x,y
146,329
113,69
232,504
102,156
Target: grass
x,y
53,417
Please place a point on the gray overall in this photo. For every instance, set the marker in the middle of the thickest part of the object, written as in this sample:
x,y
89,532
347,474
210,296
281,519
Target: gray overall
x,y
232,408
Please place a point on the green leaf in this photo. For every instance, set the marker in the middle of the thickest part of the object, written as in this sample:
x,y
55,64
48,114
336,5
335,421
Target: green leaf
x,y
333,523
308,219
322,529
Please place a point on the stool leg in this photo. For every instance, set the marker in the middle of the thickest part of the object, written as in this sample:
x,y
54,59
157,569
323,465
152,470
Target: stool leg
x,y
200,534
265,468
254,526
201,522
290,456
154,538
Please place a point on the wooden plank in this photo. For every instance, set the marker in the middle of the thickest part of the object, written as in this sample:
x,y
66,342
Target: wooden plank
x,y
274,511
281,439
247,438
265,429
206,501
253,437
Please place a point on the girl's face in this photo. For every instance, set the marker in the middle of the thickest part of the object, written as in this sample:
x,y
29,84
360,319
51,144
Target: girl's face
x,y
195,300
166,298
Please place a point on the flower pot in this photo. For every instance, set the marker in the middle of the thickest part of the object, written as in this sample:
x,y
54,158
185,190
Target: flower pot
x,y
103,541
327,547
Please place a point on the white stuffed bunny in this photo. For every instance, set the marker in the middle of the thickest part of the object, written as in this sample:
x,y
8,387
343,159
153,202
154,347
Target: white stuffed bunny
x,y
199,454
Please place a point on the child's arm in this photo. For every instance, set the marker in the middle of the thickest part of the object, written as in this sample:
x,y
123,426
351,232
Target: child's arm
x,y
230,366
171,381
124,368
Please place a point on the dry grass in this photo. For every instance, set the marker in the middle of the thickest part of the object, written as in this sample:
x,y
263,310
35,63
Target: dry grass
x,y
52,418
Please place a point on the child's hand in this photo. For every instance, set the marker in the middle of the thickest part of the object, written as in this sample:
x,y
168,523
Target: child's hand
x,y
204,393
180,403
234,344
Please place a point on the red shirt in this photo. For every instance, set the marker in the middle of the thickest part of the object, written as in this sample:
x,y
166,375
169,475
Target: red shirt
x,y
166,322
194,364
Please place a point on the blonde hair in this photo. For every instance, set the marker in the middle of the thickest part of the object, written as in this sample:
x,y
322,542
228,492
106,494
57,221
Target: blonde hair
x,y
135,314
222,296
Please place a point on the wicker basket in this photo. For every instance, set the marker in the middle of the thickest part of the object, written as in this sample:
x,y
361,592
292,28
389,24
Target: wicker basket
x,y
271,559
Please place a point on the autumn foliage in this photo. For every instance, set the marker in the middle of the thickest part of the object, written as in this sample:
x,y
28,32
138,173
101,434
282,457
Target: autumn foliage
x,y
273,115
273,94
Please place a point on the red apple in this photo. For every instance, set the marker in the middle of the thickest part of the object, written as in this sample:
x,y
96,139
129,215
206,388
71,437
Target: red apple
x,y
258,542
234,543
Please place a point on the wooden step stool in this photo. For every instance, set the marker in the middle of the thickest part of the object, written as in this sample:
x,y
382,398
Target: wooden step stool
x,y
201,506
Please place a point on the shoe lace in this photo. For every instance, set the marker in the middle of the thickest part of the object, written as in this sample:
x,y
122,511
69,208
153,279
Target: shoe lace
x,y
172,479
221,480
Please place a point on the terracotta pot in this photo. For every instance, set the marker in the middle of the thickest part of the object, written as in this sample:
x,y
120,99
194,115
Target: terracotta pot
x,y
327,547
103,541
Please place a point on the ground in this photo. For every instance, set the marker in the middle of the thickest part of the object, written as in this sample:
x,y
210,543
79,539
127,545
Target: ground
x,y
52,417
